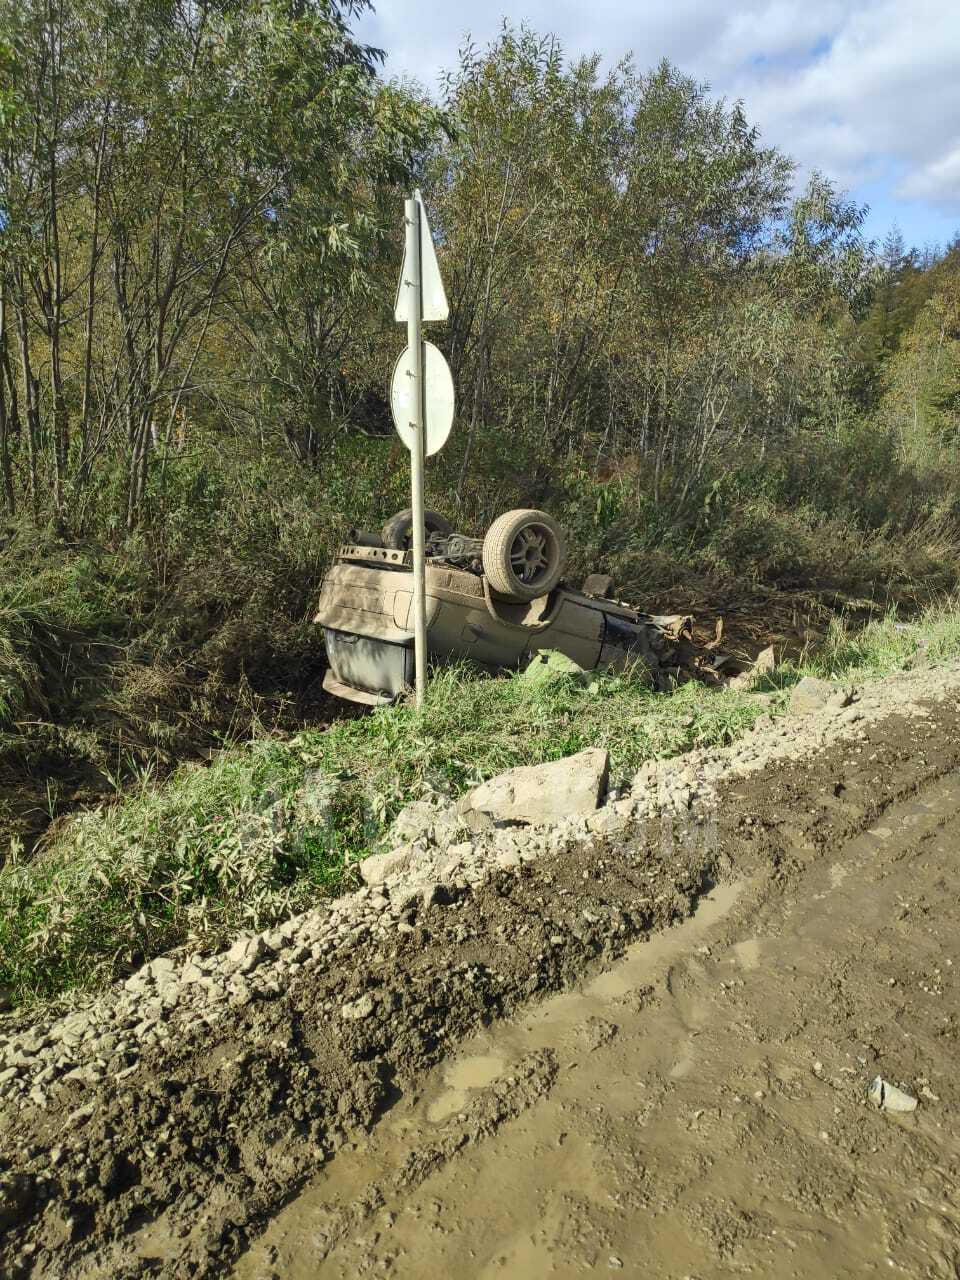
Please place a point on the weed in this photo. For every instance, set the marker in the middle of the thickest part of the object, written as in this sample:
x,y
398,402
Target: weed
x,y
265,830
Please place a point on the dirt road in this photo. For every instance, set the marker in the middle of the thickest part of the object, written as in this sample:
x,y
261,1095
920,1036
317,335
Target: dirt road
x,y
706,1114
646,1056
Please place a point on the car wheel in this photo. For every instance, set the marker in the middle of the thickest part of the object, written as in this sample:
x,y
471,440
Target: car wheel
x,y
523,554
398,531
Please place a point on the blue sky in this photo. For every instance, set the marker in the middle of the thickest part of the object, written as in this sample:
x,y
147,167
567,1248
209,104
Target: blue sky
x,y
868,91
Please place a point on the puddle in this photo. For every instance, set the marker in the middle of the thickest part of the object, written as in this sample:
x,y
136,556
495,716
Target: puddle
x,y
643,959
460,1078
748,953
558,1023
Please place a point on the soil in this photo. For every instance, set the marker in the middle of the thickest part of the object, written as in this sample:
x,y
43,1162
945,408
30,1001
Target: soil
x,y
705,1108
691,1103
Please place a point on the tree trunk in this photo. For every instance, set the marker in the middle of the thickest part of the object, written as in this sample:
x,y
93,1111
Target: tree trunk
x,y
7,417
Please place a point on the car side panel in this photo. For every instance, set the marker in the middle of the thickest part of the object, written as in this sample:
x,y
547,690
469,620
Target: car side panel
x,y
576,631
369,602
473,633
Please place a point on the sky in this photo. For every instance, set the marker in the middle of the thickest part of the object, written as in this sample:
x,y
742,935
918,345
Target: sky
x,y
866,91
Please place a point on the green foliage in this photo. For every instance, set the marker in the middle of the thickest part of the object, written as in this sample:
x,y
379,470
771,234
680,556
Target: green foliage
x,y
705,379
264,830
921,397
887,644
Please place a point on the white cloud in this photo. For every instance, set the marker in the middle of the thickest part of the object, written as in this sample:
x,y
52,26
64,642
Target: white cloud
x,y
857,88
885,94
935,179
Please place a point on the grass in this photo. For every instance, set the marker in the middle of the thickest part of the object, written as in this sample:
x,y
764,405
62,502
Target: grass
x,y
266,830
886,644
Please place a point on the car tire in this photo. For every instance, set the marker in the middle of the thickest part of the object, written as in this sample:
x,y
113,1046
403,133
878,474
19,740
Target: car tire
x,y
523,554
398,531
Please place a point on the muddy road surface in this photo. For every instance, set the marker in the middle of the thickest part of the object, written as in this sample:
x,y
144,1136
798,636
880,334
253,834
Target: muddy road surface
x,y
697,1109
646,1055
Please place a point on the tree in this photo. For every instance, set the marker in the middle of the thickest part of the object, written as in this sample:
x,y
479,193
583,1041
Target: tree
x,y
165,161
627,274
921,400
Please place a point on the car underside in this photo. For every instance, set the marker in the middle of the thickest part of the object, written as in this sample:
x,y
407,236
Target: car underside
x,y
498,601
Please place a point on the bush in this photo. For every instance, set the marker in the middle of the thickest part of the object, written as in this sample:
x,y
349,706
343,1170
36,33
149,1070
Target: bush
x,y
267,829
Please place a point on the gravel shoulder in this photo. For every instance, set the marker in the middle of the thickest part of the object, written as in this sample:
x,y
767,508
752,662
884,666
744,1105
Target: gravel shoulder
x,y
180,1112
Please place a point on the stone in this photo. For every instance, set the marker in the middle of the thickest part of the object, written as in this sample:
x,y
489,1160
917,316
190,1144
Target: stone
x,y
810,694
33,1041
375,869
357,1010
246,954
241,993
477,822
765,663
609,821
543,793
460,851
433,894
426,820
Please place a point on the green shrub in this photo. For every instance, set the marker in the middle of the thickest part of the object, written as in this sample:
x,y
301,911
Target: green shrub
x,y
267,829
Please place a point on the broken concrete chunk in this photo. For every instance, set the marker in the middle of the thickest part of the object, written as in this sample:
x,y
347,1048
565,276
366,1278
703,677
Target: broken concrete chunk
x,y
764,664
810,694
357,1010
428,820
545,792
245,954
375,869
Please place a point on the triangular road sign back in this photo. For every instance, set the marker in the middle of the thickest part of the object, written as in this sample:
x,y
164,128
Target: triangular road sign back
x,y
435,306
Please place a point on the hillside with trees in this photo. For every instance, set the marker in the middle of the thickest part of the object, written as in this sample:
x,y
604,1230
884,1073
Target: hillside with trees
x,y
701,367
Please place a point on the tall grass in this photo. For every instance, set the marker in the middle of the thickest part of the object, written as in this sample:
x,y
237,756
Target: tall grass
x,y
267,829
887,644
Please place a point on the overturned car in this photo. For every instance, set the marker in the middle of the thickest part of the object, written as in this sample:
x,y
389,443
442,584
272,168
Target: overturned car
x,y
498,601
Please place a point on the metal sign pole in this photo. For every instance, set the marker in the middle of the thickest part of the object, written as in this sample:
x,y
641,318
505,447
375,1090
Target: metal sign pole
x,y
415,347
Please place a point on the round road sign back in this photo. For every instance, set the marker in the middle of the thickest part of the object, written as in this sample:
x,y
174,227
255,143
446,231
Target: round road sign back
x,y
437,398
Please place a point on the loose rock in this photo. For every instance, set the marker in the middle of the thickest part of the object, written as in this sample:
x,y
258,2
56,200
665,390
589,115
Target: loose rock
x,y
544,793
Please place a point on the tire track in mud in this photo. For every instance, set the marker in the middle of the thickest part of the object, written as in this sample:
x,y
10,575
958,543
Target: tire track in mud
x,y
684,1071
173,1171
